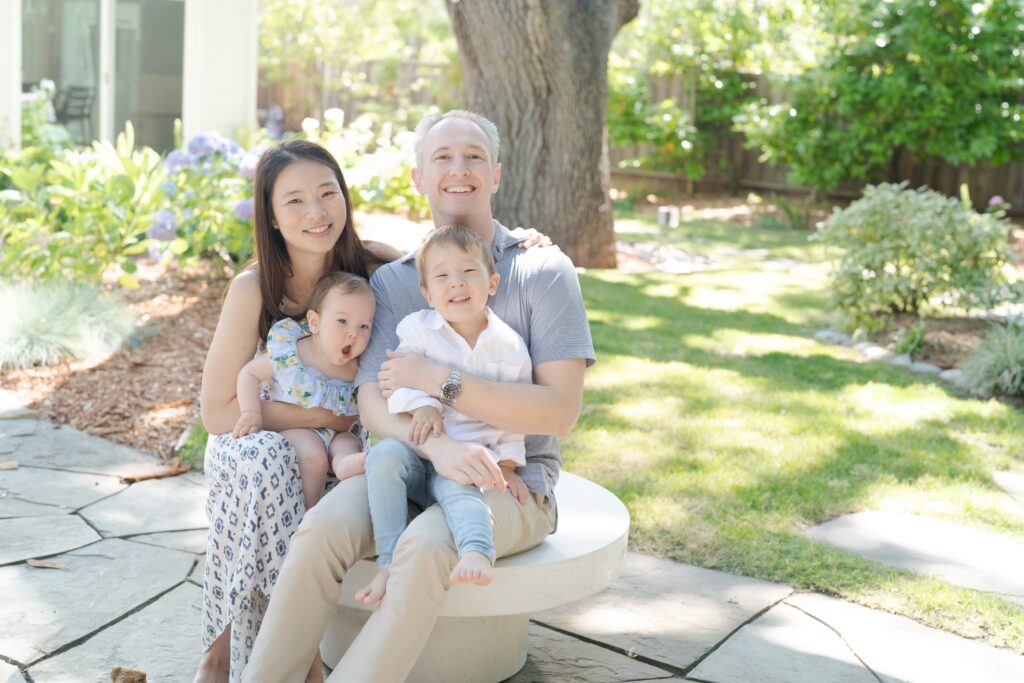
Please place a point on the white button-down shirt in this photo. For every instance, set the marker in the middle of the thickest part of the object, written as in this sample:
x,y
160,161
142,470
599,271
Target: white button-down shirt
x,y
500,355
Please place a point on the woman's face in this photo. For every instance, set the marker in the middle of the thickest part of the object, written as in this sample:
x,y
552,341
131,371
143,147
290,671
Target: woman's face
x,y
309,208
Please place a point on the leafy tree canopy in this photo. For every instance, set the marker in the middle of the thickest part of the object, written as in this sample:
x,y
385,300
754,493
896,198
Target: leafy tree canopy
x,y
942,78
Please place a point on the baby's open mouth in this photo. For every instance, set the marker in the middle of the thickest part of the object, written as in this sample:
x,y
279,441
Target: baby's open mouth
x,y
346,349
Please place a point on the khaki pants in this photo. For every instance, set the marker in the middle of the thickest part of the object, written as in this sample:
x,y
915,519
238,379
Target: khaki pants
x,y
336,534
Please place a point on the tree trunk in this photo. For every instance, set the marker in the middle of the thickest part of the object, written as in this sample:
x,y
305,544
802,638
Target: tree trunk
x,y
539,70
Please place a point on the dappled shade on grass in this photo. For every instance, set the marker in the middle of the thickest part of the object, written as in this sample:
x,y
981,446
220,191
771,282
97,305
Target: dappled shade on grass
x,y
727,430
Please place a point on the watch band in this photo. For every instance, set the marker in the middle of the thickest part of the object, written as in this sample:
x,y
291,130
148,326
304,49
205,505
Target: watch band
x,y
451,389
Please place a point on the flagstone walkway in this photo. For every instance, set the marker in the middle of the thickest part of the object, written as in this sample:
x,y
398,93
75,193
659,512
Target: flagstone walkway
x,y
95,573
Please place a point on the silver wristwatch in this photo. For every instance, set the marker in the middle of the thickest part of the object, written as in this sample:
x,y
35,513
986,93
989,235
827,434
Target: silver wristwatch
x,y
451,388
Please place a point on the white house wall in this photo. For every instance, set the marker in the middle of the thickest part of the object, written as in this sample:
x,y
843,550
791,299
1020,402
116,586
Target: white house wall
x,y
221,53
10,73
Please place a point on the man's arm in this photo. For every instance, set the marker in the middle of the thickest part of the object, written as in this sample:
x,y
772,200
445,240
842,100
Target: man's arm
x,y
551,405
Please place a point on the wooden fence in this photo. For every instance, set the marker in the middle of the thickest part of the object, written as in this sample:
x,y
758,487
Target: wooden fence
x,y
732,168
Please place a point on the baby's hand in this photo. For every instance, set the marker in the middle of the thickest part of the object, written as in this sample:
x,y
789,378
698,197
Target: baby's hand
x,y
426,422
249,422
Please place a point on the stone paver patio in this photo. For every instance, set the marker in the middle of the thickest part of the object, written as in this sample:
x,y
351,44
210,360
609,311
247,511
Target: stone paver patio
x,y
128,592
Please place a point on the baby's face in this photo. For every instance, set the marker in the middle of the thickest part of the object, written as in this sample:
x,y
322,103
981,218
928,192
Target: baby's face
x,y
457,283
343,325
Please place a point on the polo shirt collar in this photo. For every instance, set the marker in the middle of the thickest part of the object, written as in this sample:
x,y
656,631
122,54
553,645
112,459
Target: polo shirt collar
x,y
503,241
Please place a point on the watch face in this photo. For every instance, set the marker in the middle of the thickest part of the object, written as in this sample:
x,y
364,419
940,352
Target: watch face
x,y
450,391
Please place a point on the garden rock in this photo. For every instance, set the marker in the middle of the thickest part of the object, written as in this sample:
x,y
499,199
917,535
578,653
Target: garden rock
x,y
832,336
874,352
901,361
921,368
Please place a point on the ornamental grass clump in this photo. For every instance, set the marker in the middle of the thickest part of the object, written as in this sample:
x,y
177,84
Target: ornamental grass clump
x,y
997,367
901,250
50,322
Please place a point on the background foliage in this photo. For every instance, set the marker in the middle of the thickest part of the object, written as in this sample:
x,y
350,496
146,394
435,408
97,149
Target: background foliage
x,y
942,78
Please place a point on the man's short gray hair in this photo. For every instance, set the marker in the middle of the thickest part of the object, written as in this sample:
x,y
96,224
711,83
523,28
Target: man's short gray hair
x,y
486,125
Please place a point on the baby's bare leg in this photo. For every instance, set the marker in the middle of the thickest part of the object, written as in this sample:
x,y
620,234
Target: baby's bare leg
x,y
312,459
347,458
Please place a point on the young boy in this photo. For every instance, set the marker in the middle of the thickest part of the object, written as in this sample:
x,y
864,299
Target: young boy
x,y
457,276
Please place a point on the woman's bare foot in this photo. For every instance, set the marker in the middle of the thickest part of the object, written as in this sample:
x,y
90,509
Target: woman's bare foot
x,y
316,672
374,591
215,665
473,567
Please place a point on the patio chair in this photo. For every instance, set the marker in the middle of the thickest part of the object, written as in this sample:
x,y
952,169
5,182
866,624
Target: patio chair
x,y
75,104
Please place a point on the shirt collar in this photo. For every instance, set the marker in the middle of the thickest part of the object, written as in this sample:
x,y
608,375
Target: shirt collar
x,y
503,241
435,321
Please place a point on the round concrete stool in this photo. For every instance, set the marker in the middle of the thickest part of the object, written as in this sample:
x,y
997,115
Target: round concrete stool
x,y
480,636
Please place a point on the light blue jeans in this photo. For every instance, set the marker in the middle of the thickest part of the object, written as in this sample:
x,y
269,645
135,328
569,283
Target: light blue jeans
x,y
395,474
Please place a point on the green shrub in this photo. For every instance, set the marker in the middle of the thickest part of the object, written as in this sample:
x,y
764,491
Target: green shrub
x,y
910,340
81,212
47,323
998,364
903,249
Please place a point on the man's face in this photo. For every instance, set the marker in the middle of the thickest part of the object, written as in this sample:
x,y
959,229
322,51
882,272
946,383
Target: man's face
x,y
457,173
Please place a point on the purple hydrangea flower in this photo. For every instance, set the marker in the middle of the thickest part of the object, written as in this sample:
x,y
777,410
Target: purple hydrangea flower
x,y
996,200
155,253
247,166
179,159
164,223
244,209
170,188
210,143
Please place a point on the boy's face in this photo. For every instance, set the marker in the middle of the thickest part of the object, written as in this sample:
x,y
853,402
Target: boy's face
x,y
457,173
457,283
343,325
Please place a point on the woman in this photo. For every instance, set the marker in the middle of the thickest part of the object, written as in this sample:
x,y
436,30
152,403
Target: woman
x,y
302,230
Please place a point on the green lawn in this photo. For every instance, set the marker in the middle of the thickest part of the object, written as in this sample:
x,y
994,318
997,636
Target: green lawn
x,y
726,429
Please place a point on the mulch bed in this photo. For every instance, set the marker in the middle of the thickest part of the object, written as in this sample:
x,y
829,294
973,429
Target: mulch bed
x,y
145,394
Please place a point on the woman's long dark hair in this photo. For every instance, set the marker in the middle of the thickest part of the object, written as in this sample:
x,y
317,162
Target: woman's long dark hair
x,y
271,257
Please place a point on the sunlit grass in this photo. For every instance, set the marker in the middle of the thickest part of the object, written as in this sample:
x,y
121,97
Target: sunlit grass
x,y
727,431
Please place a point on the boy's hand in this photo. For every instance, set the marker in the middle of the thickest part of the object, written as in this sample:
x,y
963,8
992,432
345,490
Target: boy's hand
x,y
515,484
426,422
249,422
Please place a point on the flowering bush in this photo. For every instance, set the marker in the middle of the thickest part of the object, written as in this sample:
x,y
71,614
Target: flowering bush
x,y
903,249
81,213
207,182
377,163
75,213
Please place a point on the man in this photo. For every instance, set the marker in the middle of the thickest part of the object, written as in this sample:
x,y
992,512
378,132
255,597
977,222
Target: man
x,y
457,169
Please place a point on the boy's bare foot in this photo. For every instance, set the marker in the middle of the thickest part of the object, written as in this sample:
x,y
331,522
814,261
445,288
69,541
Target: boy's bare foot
x,y
473,567
374,591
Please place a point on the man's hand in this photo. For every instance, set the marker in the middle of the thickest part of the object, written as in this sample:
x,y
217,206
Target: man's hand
x,y
426,422
516,486
410,371
249,422
529,237
468,464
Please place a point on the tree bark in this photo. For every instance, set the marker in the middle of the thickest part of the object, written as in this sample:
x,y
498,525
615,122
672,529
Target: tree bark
x,y
539,70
